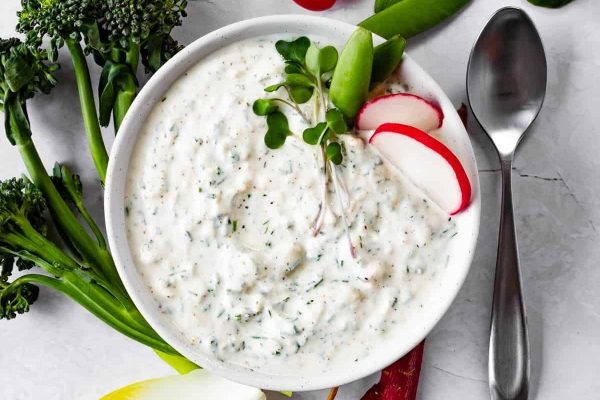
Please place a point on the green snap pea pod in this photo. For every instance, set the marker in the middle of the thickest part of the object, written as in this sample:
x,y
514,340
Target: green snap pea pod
x,y
386,58
352,76
409,17
381,5
550,3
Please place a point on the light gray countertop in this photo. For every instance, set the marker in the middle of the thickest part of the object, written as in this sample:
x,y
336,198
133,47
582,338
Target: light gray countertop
x,y
59,351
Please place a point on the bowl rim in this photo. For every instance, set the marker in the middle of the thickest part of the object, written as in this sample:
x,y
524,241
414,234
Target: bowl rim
x,y
114,205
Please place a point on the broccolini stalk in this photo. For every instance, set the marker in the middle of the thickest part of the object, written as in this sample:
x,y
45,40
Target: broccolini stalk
x,y
70,187
22,224
23,71
66,22
120,34
87,275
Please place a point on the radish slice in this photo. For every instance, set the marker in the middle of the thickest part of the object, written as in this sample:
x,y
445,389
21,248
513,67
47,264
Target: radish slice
x,y
316,5
401,108
427,162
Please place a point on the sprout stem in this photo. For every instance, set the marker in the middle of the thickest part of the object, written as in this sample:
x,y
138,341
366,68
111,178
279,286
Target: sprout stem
x,y
295,107
320,218
337,185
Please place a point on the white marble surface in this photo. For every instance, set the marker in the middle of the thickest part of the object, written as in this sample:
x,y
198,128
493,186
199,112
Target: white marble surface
x,y
58,351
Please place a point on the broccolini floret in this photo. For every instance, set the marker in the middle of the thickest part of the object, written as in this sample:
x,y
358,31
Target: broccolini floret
x,y
20,202
23,243
147,24
131,31
67,22
119,34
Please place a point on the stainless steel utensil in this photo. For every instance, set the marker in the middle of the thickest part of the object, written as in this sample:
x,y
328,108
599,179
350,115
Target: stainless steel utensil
x,y
506,84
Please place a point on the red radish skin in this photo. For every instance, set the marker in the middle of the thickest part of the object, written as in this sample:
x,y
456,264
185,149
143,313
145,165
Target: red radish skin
x,y
439,148
400,380
316,5
367,118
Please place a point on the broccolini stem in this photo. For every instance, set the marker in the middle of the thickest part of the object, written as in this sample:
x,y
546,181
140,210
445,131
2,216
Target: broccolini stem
x,y
125,97
88,108
62,214
44,247
47,265
180,364
91,223
98,302
132,58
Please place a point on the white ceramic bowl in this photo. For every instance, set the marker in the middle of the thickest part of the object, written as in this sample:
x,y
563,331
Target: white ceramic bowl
x,y
440,298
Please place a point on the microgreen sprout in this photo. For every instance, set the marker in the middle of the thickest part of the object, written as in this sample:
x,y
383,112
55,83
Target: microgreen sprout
x,y
308,68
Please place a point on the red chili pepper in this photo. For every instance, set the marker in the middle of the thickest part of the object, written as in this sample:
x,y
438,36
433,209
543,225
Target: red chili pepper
x,y
400,380
316,5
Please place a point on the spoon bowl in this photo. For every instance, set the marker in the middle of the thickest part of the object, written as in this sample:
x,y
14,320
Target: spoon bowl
x,y
506,84
506,78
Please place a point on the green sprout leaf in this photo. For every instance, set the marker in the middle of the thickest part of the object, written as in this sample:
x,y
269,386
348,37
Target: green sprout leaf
x,y
264,107
275,87
293,68
299,86
320,61
328,57
335,121
301,94
299,80
316,134
294,50
334,153
278,130
312,60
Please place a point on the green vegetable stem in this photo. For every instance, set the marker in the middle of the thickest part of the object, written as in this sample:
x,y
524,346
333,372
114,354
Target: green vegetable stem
x,y
86,272
409,17
120,34
63,23
351,79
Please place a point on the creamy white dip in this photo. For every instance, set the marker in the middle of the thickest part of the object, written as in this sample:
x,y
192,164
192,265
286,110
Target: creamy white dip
x,y
219,227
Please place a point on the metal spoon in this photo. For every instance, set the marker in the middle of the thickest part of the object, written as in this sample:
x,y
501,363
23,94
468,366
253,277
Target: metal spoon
x,y
506,84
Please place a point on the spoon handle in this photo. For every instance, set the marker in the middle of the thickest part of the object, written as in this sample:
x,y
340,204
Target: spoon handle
x,y
509,343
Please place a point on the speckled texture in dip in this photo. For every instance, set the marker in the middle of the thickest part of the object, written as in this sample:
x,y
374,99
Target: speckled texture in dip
x,y
219,227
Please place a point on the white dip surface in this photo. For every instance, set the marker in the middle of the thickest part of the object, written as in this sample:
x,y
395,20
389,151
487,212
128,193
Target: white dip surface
x,y
219,228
